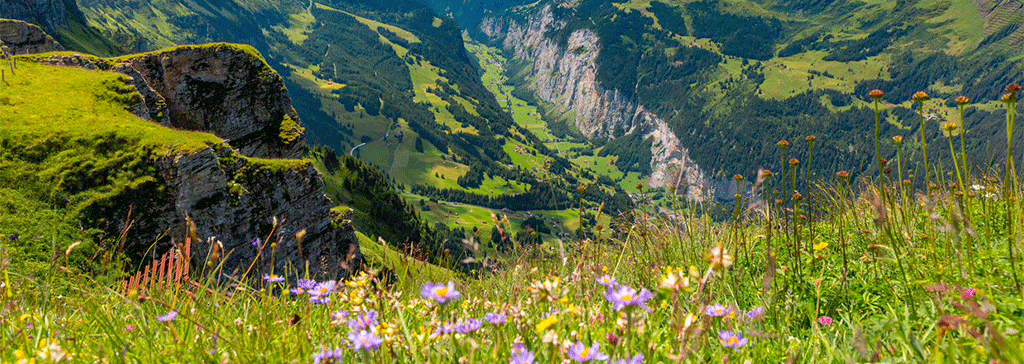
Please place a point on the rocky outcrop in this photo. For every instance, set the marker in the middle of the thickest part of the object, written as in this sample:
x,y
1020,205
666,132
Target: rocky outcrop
x,y
566,76
225,89
18,37
228,90
233,192
235,200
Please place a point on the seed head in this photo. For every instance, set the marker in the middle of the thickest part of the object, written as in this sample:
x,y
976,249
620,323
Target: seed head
x,y
876,95
921,96
794,162
766,174
738,177
963,100
783,144
843,175
581,189
1013,88
887,171
812,139
884,162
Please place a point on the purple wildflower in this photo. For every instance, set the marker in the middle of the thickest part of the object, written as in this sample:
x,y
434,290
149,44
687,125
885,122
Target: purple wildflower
x,y
303,286
622,297
170,316
273,278
496,318
319,294
715,310
340,316
328,356
607,281
732,339
756,313
582,354
638,359
257,242
825,321
968,294
468,327
364,340
440,293
130,328
364,321
446,329
520,355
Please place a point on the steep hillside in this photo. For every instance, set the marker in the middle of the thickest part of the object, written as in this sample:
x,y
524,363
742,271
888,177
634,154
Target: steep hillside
x,y
730,78
63,20
77,149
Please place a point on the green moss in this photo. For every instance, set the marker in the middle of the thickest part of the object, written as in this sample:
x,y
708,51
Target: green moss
x,y
291,131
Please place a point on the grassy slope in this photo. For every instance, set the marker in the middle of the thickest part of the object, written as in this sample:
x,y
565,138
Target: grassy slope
x,y
70,146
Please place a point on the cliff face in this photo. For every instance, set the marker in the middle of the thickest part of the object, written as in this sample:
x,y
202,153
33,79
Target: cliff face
x,y
18,37
227,90
566,76
232,192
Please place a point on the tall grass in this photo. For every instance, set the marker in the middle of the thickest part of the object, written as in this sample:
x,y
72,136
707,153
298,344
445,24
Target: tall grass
x,y
844,270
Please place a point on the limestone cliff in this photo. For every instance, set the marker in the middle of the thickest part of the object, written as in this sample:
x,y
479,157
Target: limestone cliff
x,y
18,37
566,76
251,186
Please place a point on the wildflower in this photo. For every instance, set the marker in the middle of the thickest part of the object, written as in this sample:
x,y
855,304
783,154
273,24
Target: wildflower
x,y
607,281
876,94
257,242
546,323
582,354
756,313
794,162
622,297
843,175
820,246
303,286
440,293
732,340
273,278
364,321
1009,98
638,359
327,356
678,280
340,317
468,327
825,321
496,318
715,310
963,100
520,355
950,126
783,144
921,96
898,140
549,290
737,177
170,316
968,294
1013,89
364,340
130,328
720,257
